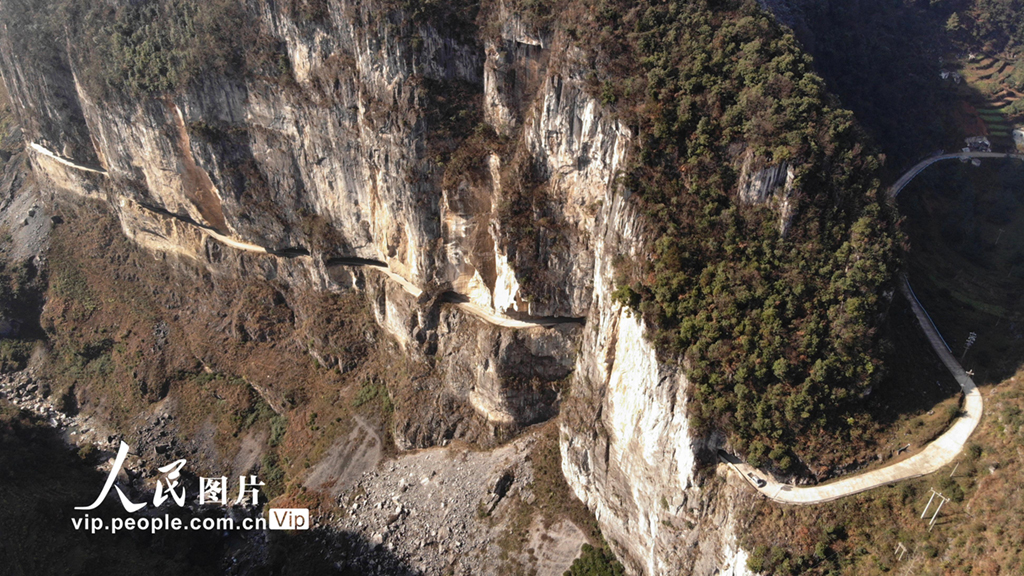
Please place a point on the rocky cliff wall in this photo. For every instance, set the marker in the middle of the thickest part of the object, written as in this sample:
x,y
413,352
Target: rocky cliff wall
x,y
342,161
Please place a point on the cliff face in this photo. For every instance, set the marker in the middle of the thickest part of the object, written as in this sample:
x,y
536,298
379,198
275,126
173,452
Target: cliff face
x,y
627,450
337,175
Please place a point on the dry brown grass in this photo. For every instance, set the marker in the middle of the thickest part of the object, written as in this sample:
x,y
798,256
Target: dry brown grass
x,y
552,501
978,532
128,331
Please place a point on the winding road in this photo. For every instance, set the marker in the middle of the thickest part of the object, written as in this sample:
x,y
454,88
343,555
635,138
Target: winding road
x,y
939,453
462,302
909,175
459,301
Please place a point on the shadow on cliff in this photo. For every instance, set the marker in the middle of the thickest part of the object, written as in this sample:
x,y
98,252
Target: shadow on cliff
x,y
882,59
967,260
41,481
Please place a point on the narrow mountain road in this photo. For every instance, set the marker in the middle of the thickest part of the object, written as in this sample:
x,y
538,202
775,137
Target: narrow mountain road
x,y
463,303
909,175
941,451
457,300
64,161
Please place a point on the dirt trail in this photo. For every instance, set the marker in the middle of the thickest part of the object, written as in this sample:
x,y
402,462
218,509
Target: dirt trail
x,y
555,548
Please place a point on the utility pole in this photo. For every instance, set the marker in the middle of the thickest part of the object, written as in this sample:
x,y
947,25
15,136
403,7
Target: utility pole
x,y
912,562
936,515
900,551
970,341
929,505
942,500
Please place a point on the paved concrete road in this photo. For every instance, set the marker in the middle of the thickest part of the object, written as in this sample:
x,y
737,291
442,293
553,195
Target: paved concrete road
x,y
940,452
909,175
63,160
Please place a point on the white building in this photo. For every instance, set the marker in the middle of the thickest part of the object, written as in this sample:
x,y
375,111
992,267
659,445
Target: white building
x,y
978,144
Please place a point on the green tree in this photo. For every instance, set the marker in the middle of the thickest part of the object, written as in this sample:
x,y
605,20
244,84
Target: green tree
x,y
757,314
953,23
595,562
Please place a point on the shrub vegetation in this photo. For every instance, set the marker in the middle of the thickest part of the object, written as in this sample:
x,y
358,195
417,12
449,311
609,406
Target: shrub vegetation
x,y
595,562
150,47
777,332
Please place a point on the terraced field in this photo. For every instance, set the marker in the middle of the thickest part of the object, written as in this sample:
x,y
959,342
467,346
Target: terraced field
x,y
992,95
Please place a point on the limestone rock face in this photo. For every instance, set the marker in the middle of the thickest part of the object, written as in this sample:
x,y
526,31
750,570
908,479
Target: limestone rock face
x,y
335,182
773,185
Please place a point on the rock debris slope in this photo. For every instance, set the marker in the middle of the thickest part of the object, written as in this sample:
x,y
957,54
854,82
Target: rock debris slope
x,y
341,163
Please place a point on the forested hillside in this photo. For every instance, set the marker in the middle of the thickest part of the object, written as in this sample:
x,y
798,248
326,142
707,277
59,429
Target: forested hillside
x,y
777,328
772,309
998,22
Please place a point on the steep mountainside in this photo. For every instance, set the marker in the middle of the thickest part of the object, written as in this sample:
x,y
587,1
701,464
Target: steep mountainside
x,y
650,219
